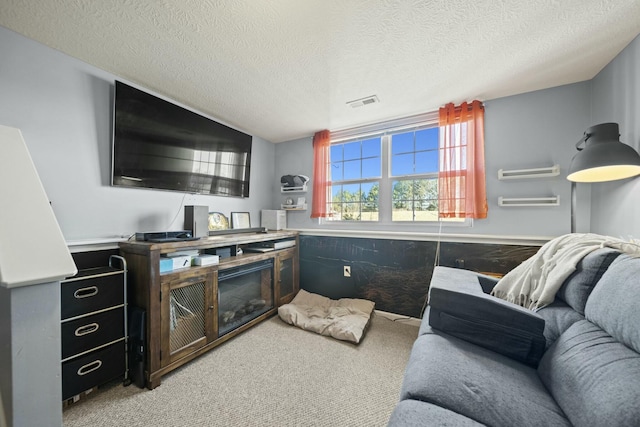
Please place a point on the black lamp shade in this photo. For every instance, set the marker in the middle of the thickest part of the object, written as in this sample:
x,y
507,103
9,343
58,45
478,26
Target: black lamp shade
x,y
604,157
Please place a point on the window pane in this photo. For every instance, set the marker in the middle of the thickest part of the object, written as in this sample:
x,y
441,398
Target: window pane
x,y
352,169
426,161
371,168
336,153
402,164
427,139
336,190
352,150
337,171
402,143
371,148
370,192
415,200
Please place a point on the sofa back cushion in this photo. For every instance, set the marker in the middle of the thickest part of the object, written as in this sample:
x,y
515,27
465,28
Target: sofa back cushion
x,y
558,317
576,288
593,377
614,304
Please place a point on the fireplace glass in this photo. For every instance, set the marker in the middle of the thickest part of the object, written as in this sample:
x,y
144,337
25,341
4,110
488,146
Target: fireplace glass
x,y
244,293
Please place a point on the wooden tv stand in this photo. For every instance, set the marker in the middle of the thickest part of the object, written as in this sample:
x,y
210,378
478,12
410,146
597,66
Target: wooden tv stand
x,y
189,311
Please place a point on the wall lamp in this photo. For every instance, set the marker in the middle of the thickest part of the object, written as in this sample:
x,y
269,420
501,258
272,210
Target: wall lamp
x,y
601,157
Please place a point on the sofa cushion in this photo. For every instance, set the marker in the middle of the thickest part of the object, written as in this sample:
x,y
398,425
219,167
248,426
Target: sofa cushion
x,y
414,413
614,304
576,288
558,317
593,377
475,382
460,307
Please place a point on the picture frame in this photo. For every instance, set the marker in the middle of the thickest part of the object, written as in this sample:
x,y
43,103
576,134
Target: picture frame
x,y
240,220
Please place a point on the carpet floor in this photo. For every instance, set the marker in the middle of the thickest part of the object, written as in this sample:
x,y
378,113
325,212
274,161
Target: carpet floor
x,y
274,374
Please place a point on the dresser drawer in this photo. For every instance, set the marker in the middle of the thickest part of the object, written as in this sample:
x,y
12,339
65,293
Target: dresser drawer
x,y
91,331
92,369
82,296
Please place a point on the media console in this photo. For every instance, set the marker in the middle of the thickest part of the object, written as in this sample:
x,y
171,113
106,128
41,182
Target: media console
x,y
191,310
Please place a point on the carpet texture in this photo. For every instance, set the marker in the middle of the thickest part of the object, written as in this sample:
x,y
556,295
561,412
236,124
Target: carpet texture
x,y
272,375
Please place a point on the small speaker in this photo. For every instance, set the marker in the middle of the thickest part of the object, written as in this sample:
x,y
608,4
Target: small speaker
x,y
196,219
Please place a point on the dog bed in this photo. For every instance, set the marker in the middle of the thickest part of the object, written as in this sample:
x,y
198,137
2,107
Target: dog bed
x,y
344,319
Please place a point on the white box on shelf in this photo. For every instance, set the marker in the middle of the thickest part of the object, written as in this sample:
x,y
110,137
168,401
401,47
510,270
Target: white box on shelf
x,y
273,219
181,261
206,260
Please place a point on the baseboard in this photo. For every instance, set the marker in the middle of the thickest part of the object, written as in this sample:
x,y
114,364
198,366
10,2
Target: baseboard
x,y
407,320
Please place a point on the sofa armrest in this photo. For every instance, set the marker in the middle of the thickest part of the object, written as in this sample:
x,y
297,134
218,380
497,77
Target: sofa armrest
x,y
459,307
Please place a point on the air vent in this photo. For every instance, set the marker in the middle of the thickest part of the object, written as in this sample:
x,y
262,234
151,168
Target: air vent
x,y
363,101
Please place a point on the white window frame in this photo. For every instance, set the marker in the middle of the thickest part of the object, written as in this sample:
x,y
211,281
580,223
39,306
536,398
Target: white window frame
x,y
385,130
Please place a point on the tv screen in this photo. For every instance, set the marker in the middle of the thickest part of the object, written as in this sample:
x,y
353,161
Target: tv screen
x,y
160,145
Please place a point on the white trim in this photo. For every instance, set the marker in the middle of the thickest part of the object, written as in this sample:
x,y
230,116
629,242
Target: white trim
x,y
96,244
430,237
389,126
112,243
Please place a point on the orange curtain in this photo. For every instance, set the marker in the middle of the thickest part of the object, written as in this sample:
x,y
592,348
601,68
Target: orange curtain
x,y
321,178
461,179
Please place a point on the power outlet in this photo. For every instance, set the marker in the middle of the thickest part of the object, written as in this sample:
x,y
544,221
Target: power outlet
x,y
347,271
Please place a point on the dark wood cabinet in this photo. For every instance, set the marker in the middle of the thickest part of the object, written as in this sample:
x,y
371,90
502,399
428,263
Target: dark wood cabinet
x,y
191,310
188,303
286,275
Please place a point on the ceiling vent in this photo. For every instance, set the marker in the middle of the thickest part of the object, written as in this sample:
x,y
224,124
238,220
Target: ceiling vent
x,y
363,101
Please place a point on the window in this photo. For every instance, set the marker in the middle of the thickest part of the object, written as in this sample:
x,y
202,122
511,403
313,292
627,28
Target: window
x,y
414,174
387,176
355,173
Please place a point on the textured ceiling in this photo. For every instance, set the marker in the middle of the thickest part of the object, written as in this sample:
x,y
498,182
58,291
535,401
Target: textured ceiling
x,y
283,69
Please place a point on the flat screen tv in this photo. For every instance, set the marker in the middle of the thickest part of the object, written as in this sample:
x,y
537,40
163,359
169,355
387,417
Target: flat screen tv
x,y
160,145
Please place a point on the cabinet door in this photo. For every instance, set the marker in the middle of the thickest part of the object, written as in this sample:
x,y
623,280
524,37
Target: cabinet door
x,y
187,316
286,276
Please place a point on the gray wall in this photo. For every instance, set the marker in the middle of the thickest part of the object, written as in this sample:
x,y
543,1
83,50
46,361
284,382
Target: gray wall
x,y
525,131
64,108
615,207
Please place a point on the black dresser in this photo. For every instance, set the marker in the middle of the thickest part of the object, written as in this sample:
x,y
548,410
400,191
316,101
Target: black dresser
x,y
94,327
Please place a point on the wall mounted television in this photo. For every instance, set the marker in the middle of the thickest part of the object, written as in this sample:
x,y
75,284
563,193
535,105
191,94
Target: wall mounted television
x,y
160,145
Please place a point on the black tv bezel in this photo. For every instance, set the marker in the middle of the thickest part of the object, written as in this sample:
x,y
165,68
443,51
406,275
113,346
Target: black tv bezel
x,y
240,138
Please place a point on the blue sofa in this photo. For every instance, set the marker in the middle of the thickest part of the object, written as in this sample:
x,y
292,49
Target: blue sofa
x,y
479,360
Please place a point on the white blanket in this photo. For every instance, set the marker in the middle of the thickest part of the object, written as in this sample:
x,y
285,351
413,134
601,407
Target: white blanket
x,y
534,283
343,319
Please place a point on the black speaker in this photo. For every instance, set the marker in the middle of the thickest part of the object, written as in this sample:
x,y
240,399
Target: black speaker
x,y
137,345
196,219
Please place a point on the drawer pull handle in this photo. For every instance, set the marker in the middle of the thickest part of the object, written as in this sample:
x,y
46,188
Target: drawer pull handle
x,y
86,292
87,329
90,367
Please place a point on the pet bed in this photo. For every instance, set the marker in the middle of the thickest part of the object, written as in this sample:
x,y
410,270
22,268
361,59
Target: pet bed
x,y
344,319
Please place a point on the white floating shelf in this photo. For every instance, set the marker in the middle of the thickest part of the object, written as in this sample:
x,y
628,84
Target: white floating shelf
x,y
302,207
300,189
529,201
529,173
